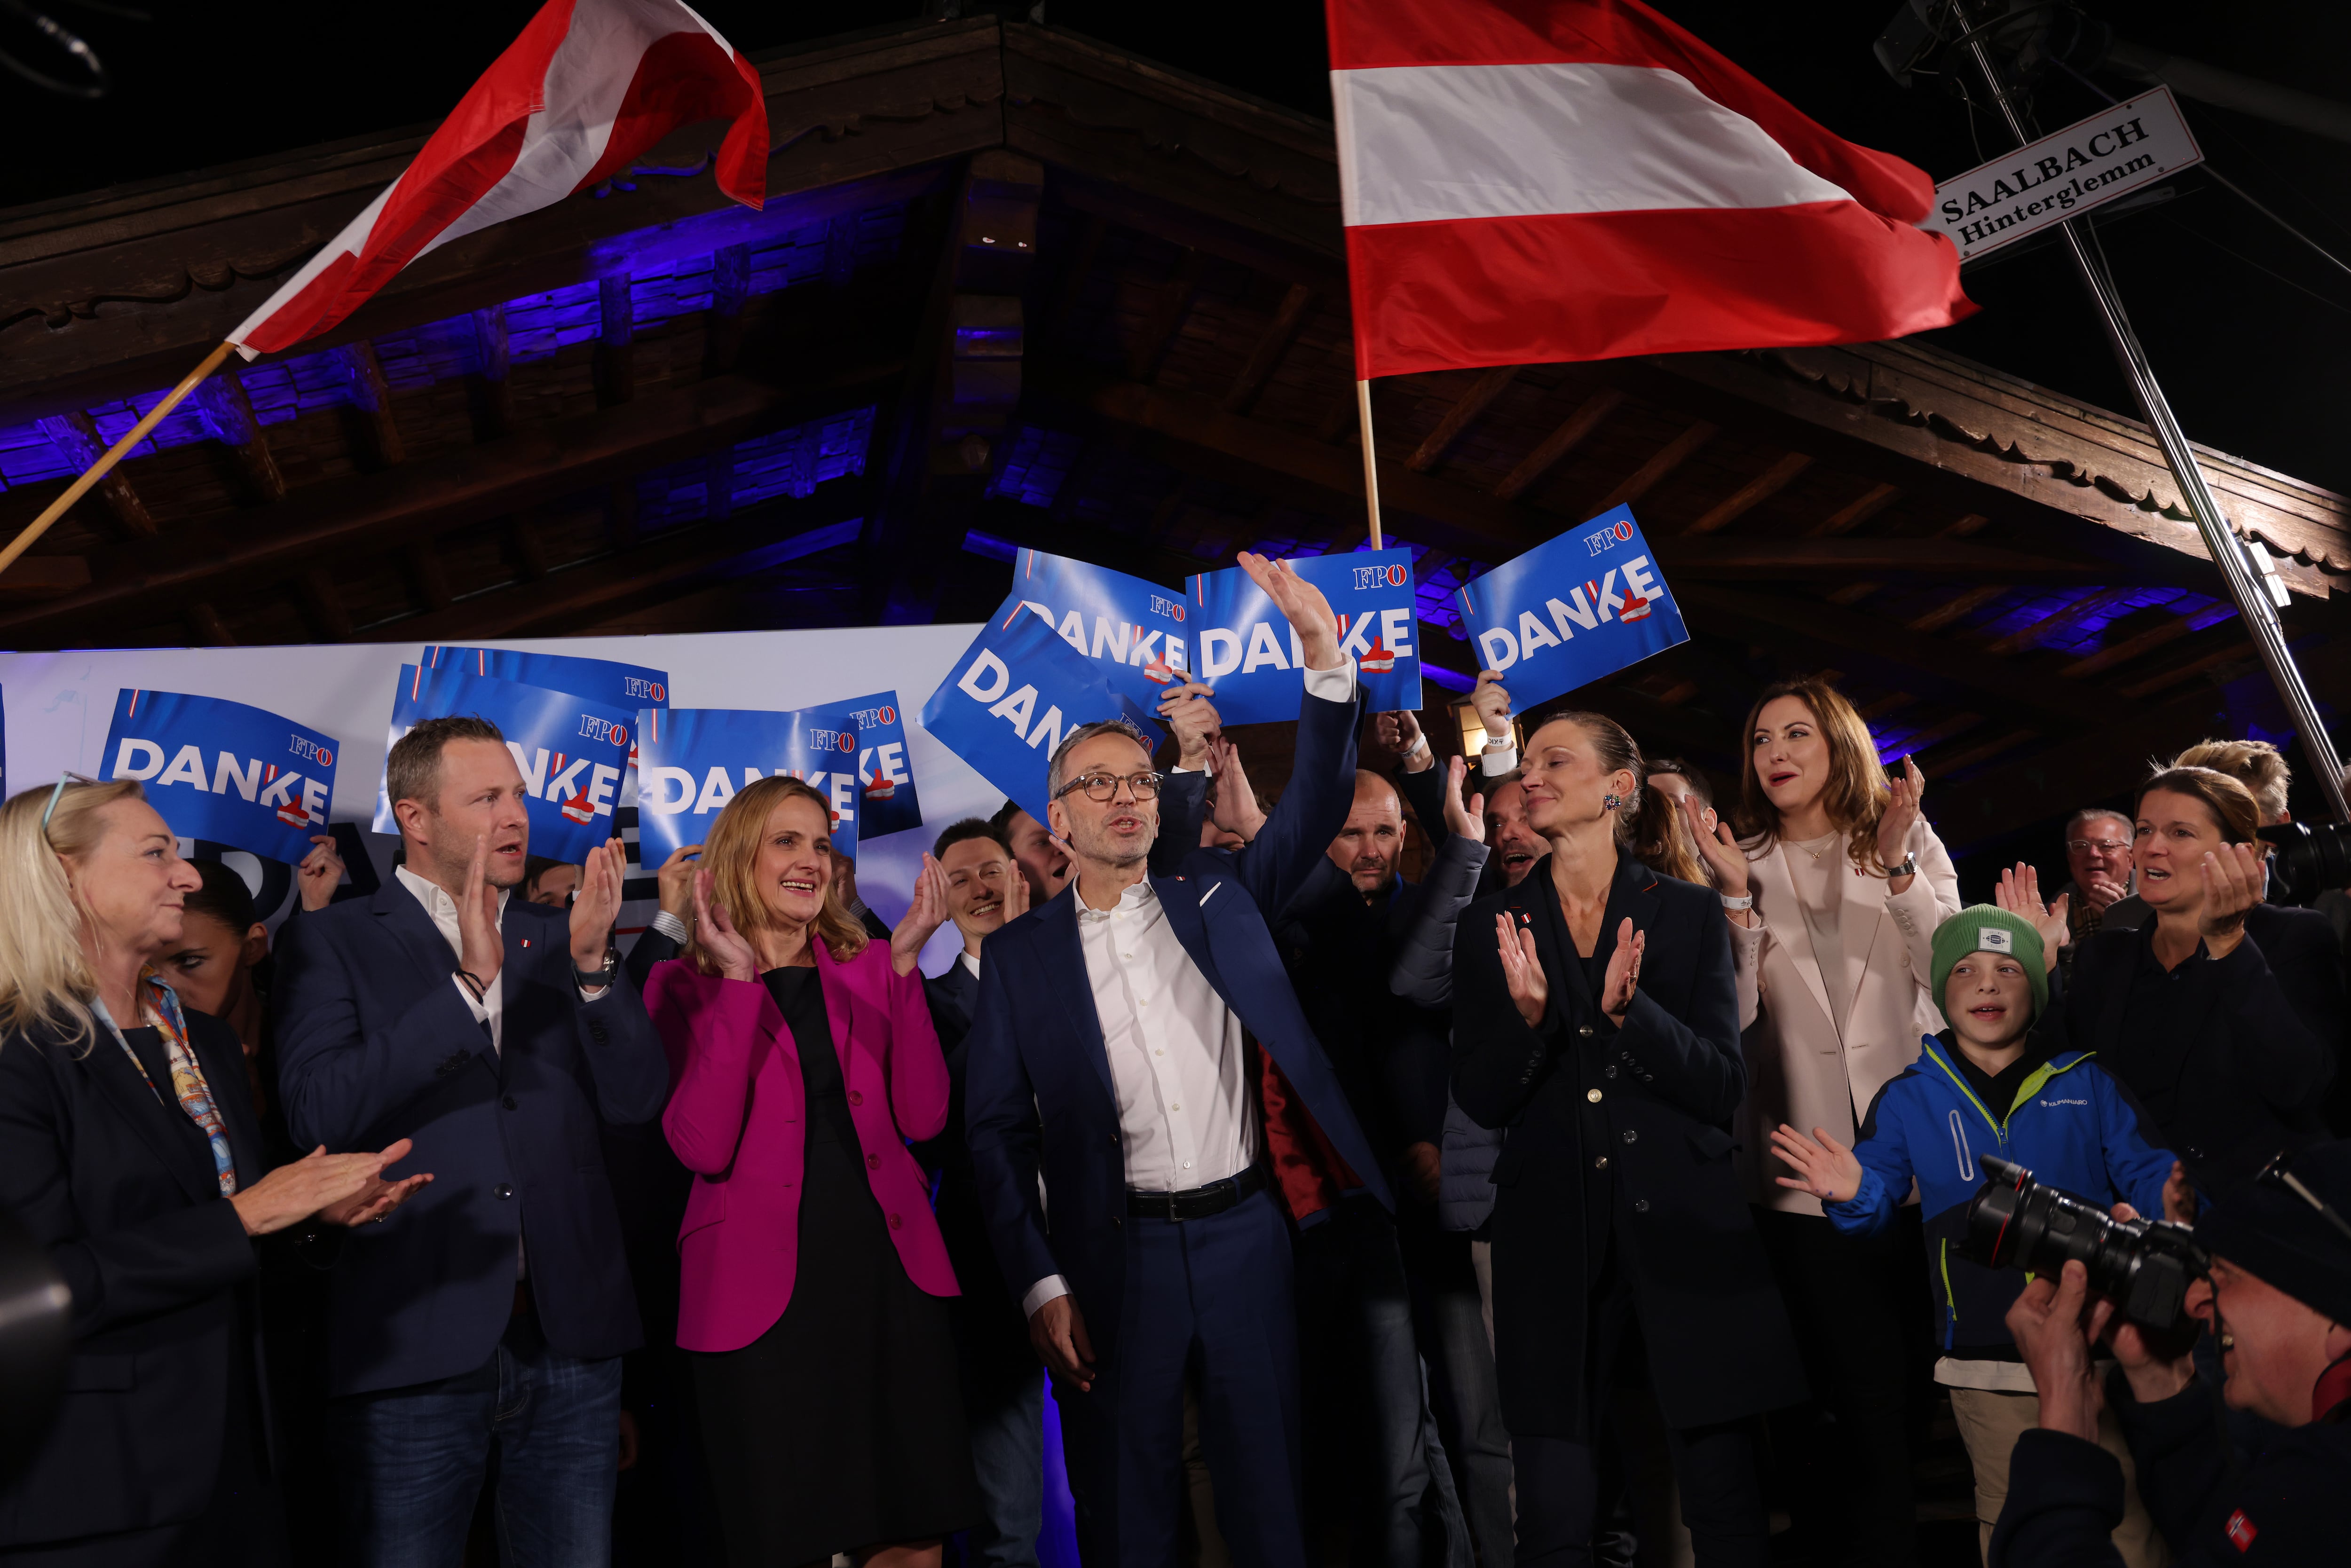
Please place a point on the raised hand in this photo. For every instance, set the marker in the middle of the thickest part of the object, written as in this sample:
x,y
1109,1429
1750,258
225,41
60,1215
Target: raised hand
x,y
2233,884
2102,892
480,948
1522,970
1720,851
676,879
1468,820
321,873
925,913
1902,814
1015,894
1824,1167
717,935
379,1197
1491,700
1236,809
1301,603
1624,976
1187,710
1399,734
2019,892
597,904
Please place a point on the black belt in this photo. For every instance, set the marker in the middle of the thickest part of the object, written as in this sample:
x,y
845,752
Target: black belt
x,y
1197,1202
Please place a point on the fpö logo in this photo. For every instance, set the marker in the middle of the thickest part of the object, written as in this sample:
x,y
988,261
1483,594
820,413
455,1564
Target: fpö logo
x,y
1172,608
1394,576
1603,539
832,739
876,717
602,730
638,686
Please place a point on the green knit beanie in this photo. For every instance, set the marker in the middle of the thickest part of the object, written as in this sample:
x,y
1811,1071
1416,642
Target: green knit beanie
x,y
1981,928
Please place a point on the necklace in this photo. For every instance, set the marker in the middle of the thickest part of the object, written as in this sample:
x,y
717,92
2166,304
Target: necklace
x,y
1826,845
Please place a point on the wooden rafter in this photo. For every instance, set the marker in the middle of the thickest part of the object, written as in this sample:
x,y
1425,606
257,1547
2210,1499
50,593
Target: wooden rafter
x,y
1856,512
229,412
1270,345
1753,494
76,438
1667,458
1489,386
371,395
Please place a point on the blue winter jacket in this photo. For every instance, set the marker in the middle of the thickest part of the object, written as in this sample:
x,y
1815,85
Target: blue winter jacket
x,y
2073,1125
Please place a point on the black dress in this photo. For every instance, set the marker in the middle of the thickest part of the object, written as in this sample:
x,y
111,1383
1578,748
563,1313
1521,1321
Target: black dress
x,y
841,1427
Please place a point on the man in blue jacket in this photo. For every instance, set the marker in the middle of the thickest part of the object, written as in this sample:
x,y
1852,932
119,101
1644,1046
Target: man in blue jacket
x,y
1110,1053
1987,1085
492,1312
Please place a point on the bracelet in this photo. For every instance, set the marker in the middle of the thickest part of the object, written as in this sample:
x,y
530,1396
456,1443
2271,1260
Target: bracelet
x,y
1746,903
474,984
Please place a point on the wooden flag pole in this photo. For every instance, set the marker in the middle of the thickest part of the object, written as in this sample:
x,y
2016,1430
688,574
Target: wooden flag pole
x,y
114,454
1371,469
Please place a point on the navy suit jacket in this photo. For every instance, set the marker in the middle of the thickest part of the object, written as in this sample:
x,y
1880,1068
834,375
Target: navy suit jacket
x,y
1038,1084
374,1044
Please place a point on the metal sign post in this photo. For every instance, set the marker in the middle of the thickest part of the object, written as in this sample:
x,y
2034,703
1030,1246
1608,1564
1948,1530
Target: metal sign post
x,y
2248,586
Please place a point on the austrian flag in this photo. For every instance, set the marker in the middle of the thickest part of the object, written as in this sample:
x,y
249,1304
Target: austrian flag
x,y
1533,179
590,86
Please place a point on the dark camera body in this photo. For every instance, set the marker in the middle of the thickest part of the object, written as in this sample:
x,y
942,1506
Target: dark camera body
x,y
2306,860
2143,1266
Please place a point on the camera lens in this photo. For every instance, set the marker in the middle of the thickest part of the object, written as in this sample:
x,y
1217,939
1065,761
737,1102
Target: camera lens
x,y
2306,860
2144,1266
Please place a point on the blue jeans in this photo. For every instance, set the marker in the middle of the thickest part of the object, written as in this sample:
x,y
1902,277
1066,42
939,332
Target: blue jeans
x,y
412,1460
1007,1454
1462,1388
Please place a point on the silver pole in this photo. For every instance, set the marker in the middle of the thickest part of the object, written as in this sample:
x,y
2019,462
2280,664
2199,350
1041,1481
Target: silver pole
x,y
2248,587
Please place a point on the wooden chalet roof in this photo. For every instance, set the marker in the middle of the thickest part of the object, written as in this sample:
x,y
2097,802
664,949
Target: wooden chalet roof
x,y
1013,287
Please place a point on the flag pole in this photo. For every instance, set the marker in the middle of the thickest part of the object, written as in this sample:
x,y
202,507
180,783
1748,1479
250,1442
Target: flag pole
x,y
112,455
1371,470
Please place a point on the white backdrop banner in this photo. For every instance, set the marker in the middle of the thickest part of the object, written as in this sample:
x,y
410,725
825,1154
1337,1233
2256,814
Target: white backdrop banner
x,y
58,706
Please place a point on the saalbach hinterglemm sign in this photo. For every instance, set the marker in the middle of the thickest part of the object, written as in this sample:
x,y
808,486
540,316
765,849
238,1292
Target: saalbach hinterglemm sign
x,y
2114,152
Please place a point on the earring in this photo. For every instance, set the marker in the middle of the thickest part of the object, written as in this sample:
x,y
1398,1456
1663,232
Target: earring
x,y
1609,802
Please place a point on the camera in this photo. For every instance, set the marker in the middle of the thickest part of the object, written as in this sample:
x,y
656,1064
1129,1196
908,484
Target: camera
x,y
2142,1265
2304,862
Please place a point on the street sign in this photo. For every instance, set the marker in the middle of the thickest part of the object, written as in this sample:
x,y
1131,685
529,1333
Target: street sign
x,y
2114,152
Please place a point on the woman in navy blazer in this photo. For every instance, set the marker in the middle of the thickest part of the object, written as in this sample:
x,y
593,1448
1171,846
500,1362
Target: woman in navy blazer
x,y
128,1150
802,1058
1596,1018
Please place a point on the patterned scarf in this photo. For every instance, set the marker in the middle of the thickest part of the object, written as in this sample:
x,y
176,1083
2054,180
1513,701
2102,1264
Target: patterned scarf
x,y
159,1008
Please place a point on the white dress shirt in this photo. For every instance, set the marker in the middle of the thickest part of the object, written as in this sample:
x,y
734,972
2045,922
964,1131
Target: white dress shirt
x,y
491,1009
1188,1112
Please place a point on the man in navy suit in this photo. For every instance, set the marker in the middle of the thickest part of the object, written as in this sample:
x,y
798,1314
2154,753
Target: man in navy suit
x,y
496,1033
1110,1053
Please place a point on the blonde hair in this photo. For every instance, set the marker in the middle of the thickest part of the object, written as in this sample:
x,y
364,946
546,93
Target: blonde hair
x,y
1856,794
731,851
44,977
2255,764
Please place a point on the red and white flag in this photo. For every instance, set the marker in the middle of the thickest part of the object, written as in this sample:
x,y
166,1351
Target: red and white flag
x,y
1533,179
588,86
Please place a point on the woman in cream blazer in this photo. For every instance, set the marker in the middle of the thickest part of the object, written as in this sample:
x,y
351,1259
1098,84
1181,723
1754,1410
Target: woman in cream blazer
x,y
1833,902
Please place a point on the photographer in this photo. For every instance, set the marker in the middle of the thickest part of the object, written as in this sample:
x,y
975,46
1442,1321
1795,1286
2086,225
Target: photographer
x,y
2279,1299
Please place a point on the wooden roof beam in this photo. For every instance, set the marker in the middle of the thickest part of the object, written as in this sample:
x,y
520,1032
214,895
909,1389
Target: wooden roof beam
x,y
1662,462
371,395
1856,512
614,364
229,412
43,576
1752,495
1272,344
1572,431
1468,407
76,435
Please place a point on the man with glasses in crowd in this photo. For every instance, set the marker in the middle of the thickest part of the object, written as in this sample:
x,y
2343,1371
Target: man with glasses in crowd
x,y
1110,1053
2098,856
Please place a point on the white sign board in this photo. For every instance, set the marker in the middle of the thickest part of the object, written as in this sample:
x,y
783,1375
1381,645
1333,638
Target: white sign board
x,y
2087,164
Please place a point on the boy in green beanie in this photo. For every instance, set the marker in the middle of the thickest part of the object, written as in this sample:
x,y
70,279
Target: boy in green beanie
x,y
1982,1086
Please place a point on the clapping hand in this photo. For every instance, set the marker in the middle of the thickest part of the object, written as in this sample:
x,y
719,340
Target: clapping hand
x,y
675,879
717,935
1824,1167
321,873
1017,895
344,1189
1719,849
924,914
1624,972
1301,603
597,904
1901,816
1468,822
1187,710
1522,970
2019,892
480,948
379,1197
1236,809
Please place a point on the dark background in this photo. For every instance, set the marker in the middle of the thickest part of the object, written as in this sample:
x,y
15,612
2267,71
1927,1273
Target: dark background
x,y
2244,324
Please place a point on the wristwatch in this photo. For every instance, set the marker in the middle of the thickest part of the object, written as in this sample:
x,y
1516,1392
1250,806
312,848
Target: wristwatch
x,y
1909,866
596,979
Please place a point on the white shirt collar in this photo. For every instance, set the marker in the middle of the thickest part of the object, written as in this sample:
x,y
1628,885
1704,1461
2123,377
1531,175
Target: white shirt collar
x,y
435,898
1137,894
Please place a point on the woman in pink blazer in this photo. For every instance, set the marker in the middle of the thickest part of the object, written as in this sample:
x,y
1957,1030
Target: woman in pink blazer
x,y
801,1059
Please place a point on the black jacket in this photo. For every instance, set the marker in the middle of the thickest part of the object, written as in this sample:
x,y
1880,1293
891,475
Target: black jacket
x,y
994,1333
118,1184
2240,1069
2284,1510
1663,1087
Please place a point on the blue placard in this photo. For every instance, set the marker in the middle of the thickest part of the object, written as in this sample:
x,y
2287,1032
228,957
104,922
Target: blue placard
x,y
886,801
1567,612
234,774
1249,652
572,750
1136,633
629,686
690,762
1013,695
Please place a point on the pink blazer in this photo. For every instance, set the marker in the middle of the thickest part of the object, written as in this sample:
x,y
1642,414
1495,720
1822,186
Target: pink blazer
x,y
736,1105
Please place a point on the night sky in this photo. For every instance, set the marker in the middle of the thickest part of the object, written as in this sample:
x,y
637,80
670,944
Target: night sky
x,y
2245,325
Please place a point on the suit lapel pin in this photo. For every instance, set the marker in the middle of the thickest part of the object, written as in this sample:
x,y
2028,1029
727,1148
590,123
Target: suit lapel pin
x,y
525,941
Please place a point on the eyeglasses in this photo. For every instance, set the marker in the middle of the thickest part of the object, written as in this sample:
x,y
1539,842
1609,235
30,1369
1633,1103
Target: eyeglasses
x,y
2279,1174
51,808
2104,846
1105,786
